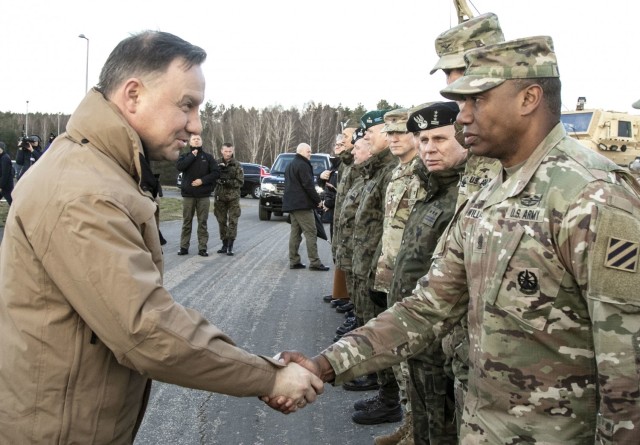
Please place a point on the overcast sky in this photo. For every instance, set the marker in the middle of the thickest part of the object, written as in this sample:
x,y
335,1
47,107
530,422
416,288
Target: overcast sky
x,y
291,52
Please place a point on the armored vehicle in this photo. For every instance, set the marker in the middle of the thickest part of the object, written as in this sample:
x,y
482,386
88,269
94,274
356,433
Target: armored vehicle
x,y
613,134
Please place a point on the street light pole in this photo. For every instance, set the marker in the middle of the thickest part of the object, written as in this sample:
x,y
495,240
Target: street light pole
x,y
86,75
58,124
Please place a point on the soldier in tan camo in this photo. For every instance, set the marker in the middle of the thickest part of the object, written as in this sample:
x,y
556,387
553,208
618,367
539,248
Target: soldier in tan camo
x,y
545,262
479,170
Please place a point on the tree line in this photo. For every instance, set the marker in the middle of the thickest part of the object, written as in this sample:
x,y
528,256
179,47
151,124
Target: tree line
x,y
258,135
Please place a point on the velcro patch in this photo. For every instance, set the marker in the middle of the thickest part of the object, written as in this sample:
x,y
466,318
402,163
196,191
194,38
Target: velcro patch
x,y
622,254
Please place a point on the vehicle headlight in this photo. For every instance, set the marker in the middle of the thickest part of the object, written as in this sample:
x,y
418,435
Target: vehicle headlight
x,y
268,188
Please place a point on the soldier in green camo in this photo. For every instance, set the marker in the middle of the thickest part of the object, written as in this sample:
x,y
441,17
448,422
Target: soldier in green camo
x,y
479,170
544,260
227,197
366,249
346,223
345,178
443,163
401,194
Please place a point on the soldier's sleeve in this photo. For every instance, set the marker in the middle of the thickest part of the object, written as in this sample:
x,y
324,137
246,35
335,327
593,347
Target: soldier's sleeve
x,y
239,177
603,231
438,302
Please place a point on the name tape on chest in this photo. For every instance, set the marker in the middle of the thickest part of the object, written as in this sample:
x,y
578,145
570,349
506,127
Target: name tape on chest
x,y
525,213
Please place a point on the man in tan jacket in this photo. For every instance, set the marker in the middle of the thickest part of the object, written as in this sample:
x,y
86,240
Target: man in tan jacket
x,y
85,321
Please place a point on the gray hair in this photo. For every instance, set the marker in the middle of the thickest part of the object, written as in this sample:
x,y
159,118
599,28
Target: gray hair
x,y
146,53
302,146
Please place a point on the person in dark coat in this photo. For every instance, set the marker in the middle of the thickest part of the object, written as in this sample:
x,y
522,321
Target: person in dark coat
x,y
300,200
6,174
29,152
199,175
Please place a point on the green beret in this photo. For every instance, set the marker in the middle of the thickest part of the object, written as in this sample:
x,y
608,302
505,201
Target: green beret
x,y
474,33
439,114
372,118
490,66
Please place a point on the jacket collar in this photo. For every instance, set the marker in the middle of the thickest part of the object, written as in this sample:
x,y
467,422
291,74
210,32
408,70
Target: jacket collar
x,y
100,123
377,161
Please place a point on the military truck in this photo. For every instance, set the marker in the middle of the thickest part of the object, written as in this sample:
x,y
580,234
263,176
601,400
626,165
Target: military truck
x,y
613,134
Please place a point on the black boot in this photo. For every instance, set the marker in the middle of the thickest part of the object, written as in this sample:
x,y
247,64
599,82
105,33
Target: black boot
x,y
230,247
223,249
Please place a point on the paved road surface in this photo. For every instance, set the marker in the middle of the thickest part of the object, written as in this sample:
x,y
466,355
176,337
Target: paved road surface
x,y
264,307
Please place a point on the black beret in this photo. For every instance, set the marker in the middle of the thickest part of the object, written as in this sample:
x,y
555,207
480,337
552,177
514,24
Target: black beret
x,y
357,134
439,114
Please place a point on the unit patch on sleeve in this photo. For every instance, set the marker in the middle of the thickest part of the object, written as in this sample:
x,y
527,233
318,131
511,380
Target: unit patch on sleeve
x,y
622,255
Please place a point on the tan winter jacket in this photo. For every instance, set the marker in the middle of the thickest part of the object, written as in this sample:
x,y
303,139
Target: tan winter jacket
x,y
85,321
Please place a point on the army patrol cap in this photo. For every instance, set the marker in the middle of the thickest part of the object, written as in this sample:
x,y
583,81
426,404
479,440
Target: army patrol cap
x,y
474,33
358,134
438,114
636,104
396,120
488,67
372,118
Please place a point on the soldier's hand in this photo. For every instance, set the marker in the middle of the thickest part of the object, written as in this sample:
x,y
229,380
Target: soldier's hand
x,y
295,387
325,175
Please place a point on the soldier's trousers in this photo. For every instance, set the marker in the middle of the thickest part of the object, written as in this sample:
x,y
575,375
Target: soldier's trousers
x,y
455,346
199,207
364,307
433,404
303,222
227,213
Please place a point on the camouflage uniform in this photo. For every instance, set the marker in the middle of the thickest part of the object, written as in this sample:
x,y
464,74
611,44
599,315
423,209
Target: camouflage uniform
x,y
402,193
227,198
546,262
432,401
345,178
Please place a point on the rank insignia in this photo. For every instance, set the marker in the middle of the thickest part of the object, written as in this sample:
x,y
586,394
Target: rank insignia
x,y
622,255
528,282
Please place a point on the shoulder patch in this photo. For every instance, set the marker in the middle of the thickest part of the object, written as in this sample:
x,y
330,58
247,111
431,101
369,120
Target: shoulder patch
x,y
622,254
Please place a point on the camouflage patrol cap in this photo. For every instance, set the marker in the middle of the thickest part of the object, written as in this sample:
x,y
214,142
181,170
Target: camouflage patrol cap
x,y
357,134
488,67
474,33
396,120
435,115
372,118
636,104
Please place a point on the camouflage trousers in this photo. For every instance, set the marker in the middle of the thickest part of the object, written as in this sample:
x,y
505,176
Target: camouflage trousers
x,y
227,213
191,207
401,373
455,346
365,309
433,404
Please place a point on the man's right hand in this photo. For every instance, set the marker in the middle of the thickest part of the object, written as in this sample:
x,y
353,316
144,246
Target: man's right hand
x,y
295,387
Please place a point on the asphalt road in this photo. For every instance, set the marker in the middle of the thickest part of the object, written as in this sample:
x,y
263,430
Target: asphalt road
x,y
265,308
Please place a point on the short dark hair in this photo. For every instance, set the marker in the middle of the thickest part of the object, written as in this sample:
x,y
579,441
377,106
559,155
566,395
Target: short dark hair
x,y
551,92
144,53
227,144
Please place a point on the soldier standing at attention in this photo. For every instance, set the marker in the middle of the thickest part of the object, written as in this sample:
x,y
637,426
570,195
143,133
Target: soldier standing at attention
x,y
402,192
543,261
227,197
479,170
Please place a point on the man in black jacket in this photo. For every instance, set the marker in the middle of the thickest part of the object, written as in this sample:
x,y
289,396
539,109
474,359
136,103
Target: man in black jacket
x,y
199,175
300,200
6,174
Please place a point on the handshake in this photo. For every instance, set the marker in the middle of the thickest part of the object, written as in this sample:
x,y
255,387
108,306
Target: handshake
x,y
299,382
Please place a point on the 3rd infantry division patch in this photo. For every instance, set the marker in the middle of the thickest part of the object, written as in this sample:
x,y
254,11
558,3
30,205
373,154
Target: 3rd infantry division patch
x,y
622,255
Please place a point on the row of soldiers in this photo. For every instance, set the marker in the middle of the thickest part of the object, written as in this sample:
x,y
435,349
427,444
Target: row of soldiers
x,y
402,174
516,269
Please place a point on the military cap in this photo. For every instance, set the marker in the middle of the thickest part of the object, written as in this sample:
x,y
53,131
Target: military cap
x,y
358,134
372,118
474,33
490,66
438,114
636,104
396,120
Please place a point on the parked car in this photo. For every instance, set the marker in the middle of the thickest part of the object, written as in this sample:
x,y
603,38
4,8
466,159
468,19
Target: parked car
x,y
253,174
273,185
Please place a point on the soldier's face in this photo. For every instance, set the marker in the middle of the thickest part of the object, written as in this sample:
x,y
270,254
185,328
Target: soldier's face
x,y
403,145
453,74
347,133
361,151
376,139
491,122
439,149
227,153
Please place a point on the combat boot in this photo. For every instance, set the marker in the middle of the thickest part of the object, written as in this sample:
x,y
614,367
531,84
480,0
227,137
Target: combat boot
x,y
379,412
223,249
230,247
401,436
364,404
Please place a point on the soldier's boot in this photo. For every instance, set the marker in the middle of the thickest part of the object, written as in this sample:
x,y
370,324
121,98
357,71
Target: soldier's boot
x,y
223,249
380,412
230,247
400,436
